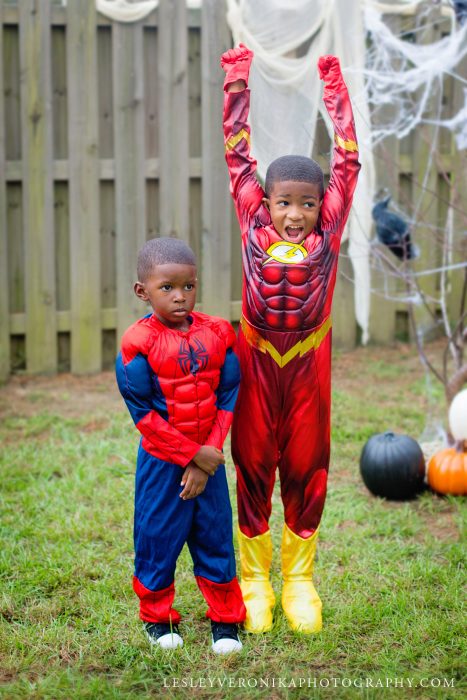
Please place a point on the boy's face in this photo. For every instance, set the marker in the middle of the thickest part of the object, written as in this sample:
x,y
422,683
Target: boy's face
x,y
294,208
171,291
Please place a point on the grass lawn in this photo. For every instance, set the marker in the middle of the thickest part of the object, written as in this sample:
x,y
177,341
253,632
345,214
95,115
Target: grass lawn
x,y
390,574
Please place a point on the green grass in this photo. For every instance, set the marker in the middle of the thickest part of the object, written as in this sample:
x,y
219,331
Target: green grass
x,y
390,574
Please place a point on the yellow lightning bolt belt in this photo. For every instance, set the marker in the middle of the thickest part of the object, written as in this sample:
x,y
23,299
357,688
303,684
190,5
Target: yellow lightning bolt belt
x,y
311,342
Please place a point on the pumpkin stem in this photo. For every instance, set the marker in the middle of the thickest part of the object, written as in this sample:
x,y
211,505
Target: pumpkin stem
x,y
461,446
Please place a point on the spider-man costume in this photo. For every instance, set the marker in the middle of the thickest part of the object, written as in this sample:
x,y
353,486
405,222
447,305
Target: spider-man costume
x,y
282,417
180,388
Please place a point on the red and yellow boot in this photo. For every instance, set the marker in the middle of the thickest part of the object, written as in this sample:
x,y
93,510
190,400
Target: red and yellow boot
x,y
300,601
258,595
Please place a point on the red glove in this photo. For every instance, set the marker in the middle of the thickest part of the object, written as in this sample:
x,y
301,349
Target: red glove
x,y
330,71
236,64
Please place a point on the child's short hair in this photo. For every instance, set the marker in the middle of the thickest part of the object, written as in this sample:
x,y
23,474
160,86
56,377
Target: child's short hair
x,y
160,251
295,168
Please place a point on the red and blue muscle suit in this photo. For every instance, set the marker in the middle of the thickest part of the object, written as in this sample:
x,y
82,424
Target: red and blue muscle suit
x,y
282,417
180,388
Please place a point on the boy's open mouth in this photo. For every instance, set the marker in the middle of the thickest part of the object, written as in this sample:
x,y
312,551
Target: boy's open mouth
x,y
294,231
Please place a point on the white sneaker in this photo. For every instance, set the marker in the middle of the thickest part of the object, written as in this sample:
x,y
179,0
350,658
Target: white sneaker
x,y
164,635
225,638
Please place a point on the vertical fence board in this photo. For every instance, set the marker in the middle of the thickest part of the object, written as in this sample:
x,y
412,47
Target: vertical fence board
x,y
130,201
383,310
173,118
105,92
59,93
62,245
458,201
86,345
15,245
425,178
151,91
107,246
194,91
12,104
4,292
216,258
36,126
344,325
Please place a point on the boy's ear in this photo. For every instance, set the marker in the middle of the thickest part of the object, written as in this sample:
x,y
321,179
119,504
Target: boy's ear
x,y
266,202
140,291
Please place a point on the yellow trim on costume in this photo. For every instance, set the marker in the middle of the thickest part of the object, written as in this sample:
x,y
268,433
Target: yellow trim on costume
x,y
312,342
347,145
233,140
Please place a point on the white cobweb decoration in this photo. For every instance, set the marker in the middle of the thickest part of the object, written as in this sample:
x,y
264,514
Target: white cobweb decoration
x,y
405,75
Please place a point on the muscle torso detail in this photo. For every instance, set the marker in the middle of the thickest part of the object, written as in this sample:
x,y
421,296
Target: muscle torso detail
x,y
287,284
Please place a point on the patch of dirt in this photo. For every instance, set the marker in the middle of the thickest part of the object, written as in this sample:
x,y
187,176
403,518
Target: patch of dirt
x,y
440,526
64,394
369,369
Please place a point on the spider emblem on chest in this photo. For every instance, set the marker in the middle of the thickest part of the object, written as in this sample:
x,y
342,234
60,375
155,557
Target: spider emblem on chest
x,y
192,356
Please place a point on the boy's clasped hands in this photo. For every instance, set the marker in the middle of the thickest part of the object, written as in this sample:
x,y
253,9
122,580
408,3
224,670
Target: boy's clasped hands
x,y
203,465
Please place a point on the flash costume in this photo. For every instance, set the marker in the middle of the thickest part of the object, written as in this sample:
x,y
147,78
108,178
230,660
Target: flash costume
x,y
282,417
180,388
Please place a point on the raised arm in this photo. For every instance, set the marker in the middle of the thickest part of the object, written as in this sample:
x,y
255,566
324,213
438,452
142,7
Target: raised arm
x,y
344,166
246,190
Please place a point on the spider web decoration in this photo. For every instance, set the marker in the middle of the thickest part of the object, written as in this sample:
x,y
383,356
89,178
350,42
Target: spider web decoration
x,y
421,68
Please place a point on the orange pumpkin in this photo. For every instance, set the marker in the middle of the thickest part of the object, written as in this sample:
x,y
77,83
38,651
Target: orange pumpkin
x,y
447,472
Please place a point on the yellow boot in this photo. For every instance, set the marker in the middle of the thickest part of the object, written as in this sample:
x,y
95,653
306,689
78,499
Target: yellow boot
x,y
258,595
300,601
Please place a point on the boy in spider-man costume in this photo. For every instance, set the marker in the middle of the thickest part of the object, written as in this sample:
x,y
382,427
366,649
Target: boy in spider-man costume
x,y
179,376
291,234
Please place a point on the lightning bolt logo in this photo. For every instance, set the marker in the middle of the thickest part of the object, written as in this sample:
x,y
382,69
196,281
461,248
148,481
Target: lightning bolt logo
x,y
288,253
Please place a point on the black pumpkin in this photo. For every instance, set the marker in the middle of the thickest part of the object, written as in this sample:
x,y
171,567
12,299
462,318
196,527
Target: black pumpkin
x,y
393,466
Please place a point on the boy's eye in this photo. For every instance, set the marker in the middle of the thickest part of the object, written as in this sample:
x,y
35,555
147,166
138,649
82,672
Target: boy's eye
x,y
310,205
189,287
283,203
166,287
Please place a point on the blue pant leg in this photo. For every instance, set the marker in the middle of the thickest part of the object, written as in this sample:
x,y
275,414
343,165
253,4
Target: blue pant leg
x,y
162,520
211,539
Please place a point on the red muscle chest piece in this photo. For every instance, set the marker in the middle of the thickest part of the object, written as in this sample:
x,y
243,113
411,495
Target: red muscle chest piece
x,y
288,296
187,370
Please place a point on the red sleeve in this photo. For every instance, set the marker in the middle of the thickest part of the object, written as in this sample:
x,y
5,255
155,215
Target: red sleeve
x,y
344,166
168,443
134,377
246,191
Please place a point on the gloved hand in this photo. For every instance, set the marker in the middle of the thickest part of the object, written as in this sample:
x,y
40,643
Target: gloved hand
x,y
236,64
330,71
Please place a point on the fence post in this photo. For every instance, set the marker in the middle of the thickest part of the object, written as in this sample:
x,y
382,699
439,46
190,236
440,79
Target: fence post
x,y
85,297
38,198
383,310
458,197
4,292
174,156
424,193
216,220
130,181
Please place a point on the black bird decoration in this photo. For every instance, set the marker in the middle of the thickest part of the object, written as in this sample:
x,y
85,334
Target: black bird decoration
x,y
393,231
460,8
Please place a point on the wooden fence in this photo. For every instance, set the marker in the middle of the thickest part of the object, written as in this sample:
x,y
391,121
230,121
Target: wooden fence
x,y
111,134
